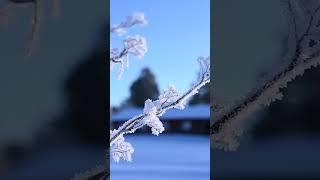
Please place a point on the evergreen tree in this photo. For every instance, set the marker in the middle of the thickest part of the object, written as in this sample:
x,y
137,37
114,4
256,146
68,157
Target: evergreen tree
x,y
145,87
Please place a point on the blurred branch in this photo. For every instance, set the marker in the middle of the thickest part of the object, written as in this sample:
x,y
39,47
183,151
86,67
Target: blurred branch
x,y
226,127
97,173
35,26
35,19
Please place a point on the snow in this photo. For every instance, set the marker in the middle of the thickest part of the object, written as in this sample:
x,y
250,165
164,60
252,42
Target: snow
x,y
58,162
193,112
274,158
170,157
166,157
190,112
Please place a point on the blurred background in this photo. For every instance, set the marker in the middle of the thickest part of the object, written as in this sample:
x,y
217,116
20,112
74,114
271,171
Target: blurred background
x,y
282,140
176,35
53,104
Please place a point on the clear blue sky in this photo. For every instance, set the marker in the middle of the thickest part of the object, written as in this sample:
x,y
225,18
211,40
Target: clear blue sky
x,y
177,33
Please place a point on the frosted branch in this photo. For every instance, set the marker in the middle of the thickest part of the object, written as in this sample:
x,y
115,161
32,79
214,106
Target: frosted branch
x,y
136,19
153,110
226,127
134,45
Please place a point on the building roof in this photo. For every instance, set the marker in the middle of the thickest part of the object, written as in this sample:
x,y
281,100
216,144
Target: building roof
x,y
194,112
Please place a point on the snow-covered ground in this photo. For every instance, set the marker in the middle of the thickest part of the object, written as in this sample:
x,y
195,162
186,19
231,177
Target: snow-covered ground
x,y
58,163
169,157
290,158
166,157
175,157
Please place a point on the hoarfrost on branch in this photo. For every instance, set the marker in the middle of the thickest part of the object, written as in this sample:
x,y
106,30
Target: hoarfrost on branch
x,y
135,45
153,110
303,53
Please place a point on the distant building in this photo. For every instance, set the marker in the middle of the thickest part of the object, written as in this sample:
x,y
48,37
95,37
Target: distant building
x,y
193,119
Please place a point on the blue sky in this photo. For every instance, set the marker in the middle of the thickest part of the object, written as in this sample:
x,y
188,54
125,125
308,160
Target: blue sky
x,y
177,33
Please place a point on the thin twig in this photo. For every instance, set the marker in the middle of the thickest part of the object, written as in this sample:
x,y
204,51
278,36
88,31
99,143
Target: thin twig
x,y
35,26
36,15
123,53
97,173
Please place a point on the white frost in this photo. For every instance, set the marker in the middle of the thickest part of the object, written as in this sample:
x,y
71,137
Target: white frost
x,y
134,45
151,118
121,149
136,19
